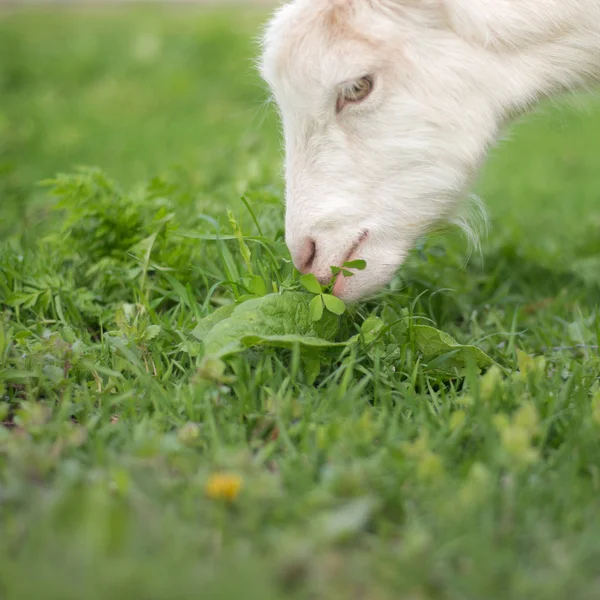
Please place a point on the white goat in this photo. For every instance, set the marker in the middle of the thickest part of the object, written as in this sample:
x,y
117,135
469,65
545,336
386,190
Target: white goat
x,y
389,107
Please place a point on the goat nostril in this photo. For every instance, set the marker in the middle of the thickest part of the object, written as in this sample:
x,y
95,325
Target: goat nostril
x,y
307,256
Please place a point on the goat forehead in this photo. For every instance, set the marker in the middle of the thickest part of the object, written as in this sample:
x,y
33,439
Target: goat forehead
x,y
314,44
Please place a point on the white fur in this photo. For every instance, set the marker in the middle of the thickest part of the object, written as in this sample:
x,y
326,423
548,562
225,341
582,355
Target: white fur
x,y
449,75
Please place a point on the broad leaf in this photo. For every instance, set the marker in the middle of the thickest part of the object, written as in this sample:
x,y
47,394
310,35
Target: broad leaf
x,y
434,343
271,320
206,324
289,341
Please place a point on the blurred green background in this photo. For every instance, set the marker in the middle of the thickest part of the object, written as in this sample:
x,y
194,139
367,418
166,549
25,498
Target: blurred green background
x,y
135,92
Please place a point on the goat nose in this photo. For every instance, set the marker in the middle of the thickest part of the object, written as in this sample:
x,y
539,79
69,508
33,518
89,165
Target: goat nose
x,y
306,255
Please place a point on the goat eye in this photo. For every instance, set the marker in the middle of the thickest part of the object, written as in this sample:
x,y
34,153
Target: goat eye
x,y
355,92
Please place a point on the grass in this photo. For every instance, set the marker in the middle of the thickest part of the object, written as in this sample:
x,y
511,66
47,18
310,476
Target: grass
x,y
131,466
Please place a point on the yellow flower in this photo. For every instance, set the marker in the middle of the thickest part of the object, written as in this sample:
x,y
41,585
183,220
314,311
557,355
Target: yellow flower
x,y
223,486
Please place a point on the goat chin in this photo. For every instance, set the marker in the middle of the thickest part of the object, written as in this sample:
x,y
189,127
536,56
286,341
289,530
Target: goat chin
x,y
389,108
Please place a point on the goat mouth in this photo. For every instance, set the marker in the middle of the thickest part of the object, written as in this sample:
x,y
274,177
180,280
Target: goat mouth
x,y
340,279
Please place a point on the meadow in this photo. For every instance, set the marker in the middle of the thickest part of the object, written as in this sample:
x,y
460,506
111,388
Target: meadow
x,y
440,441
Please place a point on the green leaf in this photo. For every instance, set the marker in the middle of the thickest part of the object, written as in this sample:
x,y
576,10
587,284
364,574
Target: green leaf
x,y
311,283
151,332
206,324
434,343
371,329
271,319
290,340
333,304
335,270
359,264
316,308
255,285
